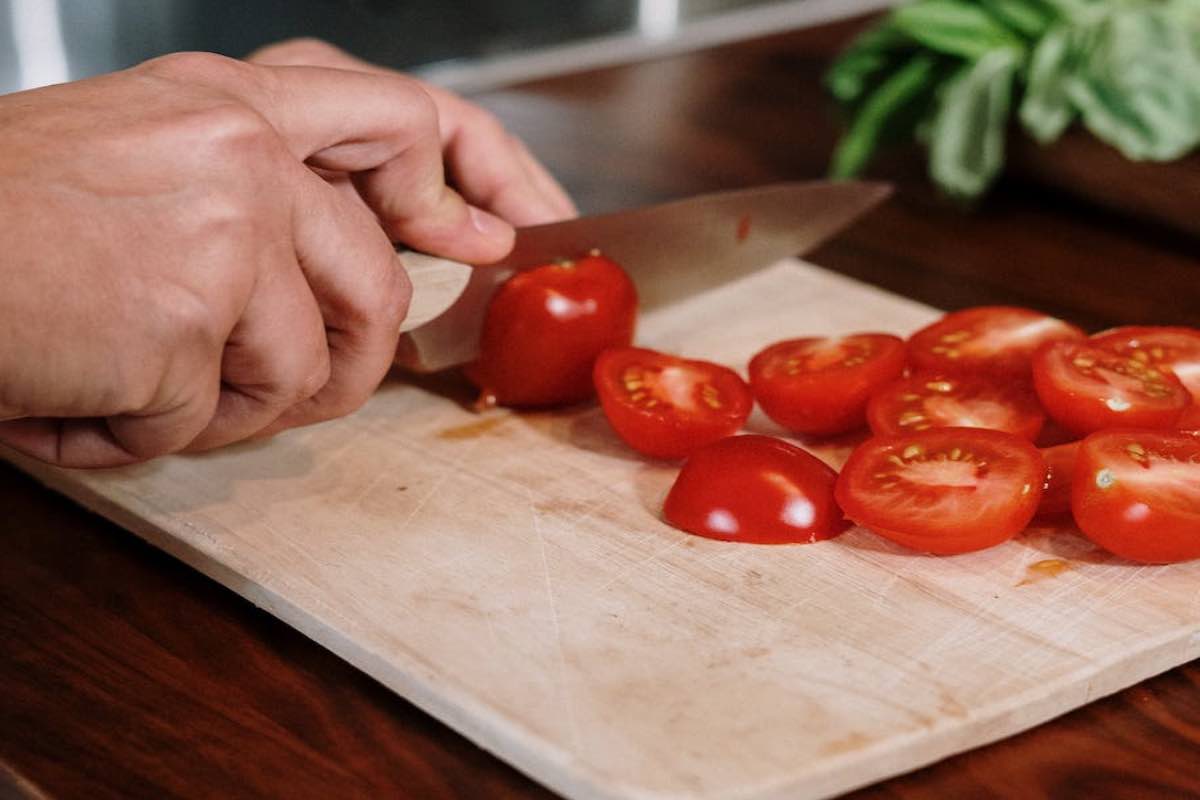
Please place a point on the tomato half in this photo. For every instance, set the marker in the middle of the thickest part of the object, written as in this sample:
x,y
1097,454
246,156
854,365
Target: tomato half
x,y
995,339
544,328
925,401
1060,470
665,406
1087,388
820,386
1175,350
944,490
1137,494
755,489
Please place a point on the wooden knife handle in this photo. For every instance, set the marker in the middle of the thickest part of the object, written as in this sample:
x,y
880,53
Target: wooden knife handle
x,y
436,284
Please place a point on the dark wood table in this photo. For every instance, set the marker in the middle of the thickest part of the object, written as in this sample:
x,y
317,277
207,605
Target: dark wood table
x,y
125,674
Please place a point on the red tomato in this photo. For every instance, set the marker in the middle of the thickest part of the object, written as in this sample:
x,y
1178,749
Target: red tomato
x,y
1137,494
944,490
1086,388
755,489
821,386
666,407
926,401
1174,350
995,339
545,327
1060,469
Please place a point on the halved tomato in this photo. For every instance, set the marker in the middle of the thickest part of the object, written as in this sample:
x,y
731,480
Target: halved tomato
x,y
1087,388
755,489
1173,349
820,386
996,339
1060,470
1137,494
665,406
925,401
944,490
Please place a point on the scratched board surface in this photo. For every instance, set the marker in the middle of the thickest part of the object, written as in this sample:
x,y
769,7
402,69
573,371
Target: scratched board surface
x,y
511,574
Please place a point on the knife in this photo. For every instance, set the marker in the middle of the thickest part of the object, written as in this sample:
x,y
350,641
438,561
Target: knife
x,y
670,251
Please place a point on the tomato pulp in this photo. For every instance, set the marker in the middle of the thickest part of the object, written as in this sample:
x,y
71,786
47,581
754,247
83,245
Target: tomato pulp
x,y
820,386
1137,494
1172,349
944,490
755,489
996,339
1060,471
1087,388
666,407
926,401
544,328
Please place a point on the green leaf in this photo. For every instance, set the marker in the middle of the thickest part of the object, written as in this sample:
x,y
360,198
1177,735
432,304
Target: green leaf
x,y
1030,18
1046,109
890,99
968,135
872,53
954,27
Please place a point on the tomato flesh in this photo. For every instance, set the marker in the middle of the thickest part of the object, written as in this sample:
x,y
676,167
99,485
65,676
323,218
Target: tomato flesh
x,y
820,386
1137,494
755,489
1171,349
666,407
1060,471
925,401
944,490
545,327
1087,388
996,339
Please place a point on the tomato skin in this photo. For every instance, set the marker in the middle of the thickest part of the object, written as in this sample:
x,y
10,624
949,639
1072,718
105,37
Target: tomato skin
x,y
545,327
755,489
944,490
1086,388
933,400
820,386
1000,340
1137,494
666,407
1060,470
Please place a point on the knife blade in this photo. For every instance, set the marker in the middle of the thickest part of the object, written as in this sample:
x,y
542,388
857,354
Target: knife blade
x,y
671,251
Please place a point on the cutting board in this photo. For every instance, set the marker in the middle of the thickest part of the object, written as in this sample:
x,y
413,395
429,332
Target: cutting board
x,y
510,574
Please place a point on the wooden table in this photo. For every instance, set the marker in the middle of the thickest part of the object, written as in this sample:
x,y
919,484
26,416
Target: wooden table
x,y
125,674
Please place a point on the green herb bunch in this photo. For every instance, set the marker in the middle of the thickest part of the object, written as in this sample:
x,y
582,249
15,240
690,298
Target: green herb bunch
x,y
950,73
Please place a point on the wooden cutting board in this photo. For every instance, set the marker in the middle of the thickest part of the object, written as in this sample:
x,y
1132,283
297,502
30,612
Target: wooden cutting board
x,y
511,575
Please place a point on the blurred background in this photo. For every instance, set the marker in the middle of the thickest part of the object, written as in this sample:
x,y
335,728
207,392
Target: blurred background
x,y
467,44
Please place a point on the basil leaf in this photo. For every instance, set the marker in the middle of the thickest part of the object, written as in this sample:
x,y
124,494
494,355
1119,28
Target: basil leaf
x,y
968,136
1046,109
890,99
1030,18
868,56
954,27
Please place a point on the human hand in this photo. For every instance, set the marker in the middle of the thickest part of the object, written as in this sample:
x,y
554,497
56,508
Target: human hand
x,y
177,276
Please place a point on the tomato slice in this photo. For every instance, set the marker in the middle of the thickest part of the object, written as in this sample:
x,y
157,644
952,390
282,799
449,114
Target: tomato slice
x,y
755,489
666,407
1171,349
1060,469
820,386
1086,388
995,339
925,401
1137,494
944,490
544,328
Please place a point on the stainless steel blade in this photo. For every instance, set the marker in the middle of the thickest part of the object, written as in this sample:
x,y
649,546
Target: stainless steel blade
x,y
671,251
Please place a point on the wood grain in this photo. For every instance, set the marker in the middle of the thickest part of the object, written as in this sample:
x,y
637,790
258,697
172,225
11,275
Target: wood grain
x,y
120,637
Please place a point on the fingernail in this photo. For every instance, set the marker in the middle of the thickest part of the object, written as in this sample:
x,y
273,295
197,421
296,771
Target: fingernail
x,y
487,224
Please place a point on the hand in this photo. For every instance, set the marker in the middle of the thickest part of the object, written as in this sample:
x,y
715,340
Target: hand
x,y
490,167
177,276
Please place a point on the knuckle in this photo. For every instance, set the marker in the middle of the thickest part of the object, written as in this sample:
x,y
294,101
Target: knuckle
x,y
192,66
314,379
300,50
